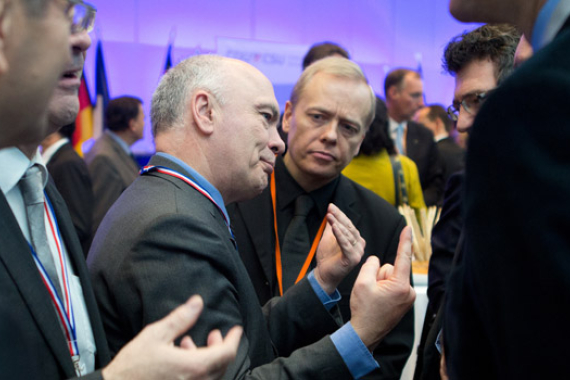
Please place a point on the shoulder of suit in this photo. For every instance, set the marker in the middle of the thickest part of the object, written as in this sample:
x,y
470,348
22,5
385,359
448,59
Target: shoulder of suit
x,y
420,129
366,199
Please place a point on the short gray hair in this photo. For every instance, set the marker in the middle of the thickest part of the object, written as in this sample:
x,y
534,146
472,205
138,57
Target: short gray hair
x,y
339,67
169,102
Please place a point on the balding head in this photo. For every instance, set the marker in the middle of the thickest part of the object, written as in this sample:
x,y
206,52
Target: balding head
x,y
219,115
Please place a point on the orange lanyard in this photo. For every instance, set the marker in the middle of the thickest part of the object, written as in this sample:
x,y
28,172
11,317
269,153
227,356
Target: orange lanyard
x,y
312,252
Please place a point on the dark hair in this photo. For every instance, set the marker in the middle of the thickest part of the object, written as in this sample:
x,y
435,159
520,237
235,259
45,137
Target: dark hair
x,y
396,78
497,43
437,111
377,138
322,50
120,111
67,130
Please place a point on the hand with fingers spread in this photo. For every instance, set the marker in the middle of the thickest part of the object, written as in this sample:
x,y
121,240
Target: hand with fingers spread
x,y
340,250
152,354
382,295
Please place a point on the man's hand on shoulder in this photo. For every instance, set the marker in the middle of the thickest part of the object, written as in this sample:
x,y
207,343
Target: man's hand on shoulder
x,y
153,355
340,250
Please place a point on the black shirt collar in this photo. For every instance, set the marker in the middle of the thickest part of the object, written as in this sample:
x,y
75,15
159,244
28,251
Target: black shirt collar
x,y
288,189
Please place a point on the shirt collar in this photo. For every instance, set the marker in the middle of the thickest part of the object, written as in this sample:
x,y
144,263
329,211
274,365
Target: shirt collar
x,y
549,21
289,189
201,181
53,148
441,136
120,141
393,125
13,166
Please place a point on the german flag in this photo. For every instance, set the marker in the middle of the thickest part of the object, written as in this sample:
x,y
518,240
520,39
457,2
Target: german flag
x,y
84,121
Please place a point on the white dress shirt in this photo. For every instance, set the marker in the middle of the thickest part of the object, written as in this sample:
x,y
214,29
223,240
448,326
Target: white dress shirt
x,y
13,165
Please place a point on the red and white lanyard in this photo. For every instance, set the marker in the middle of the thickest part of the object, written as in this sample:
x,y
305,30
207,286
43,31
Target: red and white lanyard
x,y
63,303
164,170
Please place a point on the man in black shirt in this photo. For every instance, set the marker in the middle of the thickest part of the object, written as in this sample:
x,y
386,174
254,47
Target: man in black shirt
x,y
330,110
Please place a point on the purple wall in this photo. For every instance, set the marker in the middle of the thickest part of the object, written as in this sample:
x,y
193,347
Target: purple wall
x,y
379,34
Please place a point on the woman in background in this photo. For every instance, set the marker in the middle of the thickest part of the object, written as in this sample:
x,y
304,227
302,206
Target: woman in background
x,y
379,168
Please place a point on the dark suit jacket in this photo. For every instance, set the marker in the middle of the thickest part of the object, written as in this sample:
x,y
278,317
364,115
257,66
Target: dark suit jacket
x,y
112,170
507,299
379,224
71,177
422,149
33,345
444,240
447,246
452,156
162,242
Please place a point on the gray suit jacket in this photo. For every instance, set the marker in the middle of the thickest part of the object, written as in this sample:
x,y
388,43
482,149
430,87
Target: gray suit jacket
x,y
112,170
161,243
32,344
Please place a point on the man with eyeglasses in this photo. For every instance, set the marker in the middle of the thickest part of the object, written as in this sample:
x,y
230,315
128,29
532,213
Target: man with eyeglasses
x,y
49,322
479,60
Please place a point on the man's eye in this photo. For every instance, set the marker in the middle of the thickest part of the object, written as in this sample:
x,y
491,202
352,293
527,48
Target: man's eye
x,y
349,129
267,116
316,116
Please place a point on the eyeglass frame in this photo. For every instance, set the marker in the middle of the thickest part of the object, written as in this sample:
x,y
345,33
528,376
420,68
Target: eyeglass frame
x,y
479,97
86,22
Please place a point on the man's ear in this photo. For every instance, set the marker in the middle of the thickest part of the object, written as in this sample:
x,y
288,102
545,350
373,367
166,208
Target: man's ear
x,y
204,111
287,114
4,28
440,125
392,92
132,124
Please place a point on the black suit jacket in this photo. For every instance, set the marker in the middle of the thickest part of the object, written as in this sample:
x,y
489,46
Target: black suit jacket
x,y
33,345
452,156
507,299
162,242
447,246
71,177
379,224
422,149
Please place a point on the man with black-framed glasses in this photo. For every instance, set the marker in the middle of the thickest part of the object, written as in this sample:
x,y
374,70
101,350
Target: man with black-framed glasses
x,y
50,327
479,60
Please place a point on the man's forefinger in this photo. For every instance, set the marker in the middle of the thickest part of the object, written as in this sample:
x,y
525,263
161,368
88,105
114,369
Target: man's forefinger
x,y
403,263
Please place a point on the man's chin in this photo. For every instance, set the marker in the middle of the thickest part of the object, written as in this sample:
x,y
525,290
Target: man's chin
x,y
62,113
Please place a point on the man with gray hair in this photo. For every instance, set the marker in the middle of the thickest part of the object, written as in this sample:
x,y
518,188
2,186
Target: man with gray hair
x,y
169,235
327,117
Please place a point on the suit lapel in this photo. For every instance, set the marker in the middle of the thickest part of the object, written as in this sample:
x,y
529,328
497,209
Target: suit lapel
x,y
77,259
344,198
16,255
258,212
258,219
411,140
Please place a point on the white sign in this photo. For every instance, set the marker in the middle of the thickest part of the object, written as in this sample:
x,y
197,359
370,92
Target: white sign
x,y
280,62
